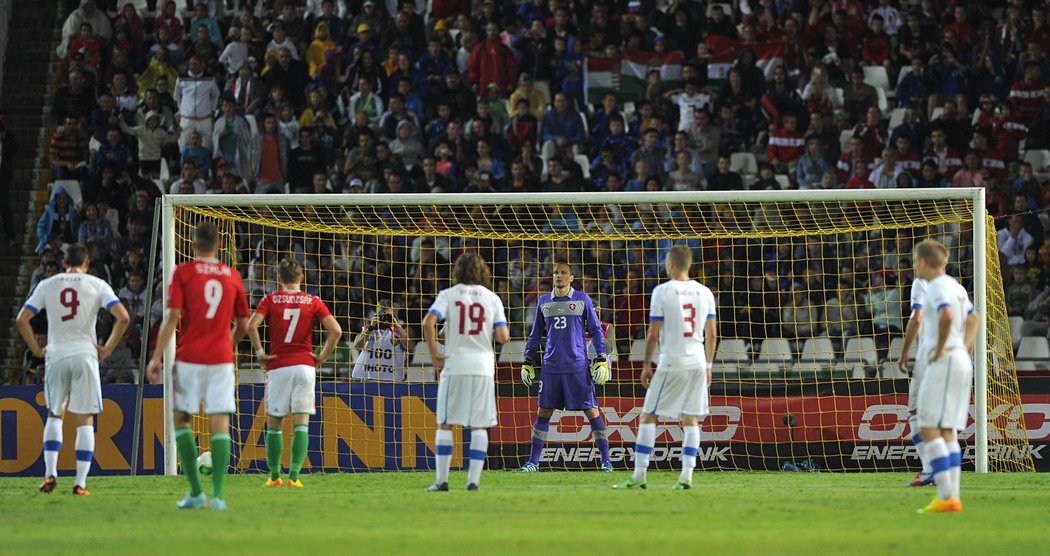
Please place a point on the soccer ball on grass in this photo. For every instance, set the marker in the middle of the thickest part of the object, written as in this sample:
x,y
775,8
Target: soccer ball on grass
x,y
204,463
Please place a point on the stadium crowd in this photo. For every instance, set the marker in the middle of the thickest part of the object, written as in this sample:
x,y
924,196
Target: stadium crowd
x,y
446,96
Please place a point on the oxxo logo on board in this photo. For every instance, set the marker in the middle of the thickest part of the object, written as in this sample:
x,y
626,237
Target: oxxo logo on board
x,y
624,426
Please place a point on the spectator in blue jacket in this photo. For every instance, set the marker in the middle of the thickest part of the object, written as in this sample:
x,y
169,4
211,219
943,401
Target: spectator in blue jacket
x,y
811,166
562,126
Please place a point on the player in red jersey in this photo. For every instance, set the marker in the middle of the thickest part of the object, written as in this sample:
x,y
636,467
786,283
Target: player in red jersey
x,y
205,295
292,365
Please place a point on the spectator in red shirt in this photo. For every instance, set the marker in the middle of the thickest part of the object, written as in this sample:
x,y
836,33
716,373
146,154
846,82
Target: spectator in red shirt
x,y
1027,94
491,61
991,157
907,158
786,145
860,177
876,48
870,131
941,154
1009,130
965,32
845,168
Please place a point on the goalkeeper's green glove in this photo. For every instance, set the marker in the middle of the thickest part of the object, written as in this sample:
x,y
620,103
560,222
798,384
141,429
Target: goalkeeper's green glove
x,y
600,370
528,372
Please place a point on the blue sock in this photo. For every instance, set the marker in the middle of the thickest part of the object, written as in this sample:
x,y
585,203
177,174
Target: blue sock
x,y
539,437
601,440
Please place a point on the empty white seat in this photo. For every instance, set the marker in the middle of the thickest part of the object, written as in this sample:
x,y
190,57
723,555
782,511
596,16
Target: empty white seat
x,y
783,180
584,163
844,137
817,350
724,368
731,350
421,355
743,163
877,77
1039,159
860,350
1027,365
1033,348
937,113
512,352
891,370
896,118
776,350
884,104
1015,329
638,351
897,346
811,367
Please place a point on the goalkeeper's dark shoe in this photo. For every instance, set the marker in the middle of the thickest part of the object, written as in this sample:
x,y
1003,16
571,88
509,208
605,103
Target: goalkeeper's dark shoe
x,y
472,486
438,487
80,491
682,486
630,484
48,485
921,479
606,467
529,467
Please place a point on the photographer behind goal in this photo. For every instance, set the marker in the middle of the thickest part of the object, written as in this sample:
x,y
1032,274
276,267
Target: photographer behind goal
x,y
383,345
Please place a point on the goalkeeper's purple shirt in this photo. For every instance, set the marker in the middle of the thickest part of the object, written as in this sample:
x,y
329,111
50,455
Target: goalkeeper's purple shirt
x,y
565,322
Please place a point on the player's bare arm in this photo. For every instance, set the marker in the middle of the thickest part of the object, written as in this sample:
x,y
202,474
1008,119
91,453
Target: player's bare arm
x,y
501,334
651,340
120,325
430,335
332,334
911,331
710,344
164,336
240,329
26,331
970,334
944,328
254,322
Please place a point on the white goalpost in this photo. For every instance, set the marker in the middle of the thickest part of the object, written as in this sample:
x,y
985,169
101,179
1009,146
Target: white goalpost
x,y
248,209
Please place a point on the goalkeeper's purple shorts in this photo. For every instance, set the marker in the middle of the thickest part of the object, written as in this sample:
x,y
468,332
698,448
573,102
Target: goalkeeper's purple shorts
x,y
568,391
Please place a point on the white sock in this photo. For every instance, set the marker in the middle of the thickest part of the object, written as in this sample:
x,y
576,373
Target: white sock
x,y
85,445
52,445
479,445
643,448
937,450
690,446
443,449
955,471
917,440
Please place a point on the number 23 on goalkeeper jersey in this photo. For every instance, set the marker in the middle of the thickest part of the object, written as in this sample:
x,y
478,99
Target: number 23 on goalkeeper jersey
x,y
471,312
684,307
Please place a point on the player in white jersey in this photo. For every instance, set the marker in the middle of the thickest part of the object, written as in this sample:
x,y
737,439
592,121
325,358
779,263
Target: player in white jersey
x,y
383,347
911,332
682,318
71,381
473,316
949,329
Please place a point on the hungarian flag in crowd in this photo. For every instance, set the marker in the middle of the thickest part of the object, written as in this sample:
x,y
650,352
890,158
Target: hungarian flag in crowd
x,y
625,75
725,52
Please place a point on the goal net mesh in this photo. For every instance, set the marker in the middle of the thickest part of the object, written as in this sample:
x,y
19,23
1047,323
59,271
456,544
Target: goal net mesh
x,y
812,301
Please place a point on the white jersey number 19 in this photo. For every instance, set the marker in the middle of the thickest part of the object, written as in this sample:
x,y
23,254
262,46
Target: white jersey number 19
x,y
476,314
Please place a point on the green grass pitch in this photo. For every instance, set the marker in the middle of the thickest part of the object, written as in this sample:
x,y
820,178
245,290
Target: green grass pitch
x,y
556,513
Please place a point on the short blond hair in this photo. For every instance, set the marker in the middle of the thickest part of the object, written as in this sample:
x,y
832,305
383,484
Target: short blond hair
x,y
681,256
933,252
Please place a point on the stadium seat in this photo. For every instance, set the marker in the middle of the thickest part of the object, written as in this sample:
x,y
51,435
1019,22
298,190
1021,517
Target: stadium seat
x,y
884,105
858,372
628,109
768,368
419,374
545,88
817,350
512,352
776,350
897,345
744,164
937,113
809,369
891,370
1015,330
1039,159
732,350
860,350
877,77
896,118
837,101
253,124
783,180
1033,348
904,71
638,352
844,137
585,164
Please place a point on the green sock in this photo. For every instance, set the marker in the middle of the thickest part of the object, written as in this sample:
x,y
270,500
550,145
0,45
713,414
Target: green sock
x,y
220,458
274,452
300,441
187,448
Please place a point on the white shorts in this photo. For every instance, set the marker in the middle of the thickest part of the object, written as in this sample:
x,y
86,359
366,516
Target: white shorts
x,y
468,400
290,390
676,393
944,394
75,380
211,384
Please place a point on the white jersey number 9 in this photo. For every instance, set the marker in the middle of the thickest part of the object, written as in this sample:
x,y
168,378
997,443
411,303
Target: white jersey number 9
x,y
213,297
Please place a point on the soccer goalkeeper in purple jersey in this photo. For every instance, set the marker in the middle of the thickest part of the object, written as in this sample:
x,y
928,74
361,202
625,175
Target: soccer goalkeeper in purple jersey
x,y
563,319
